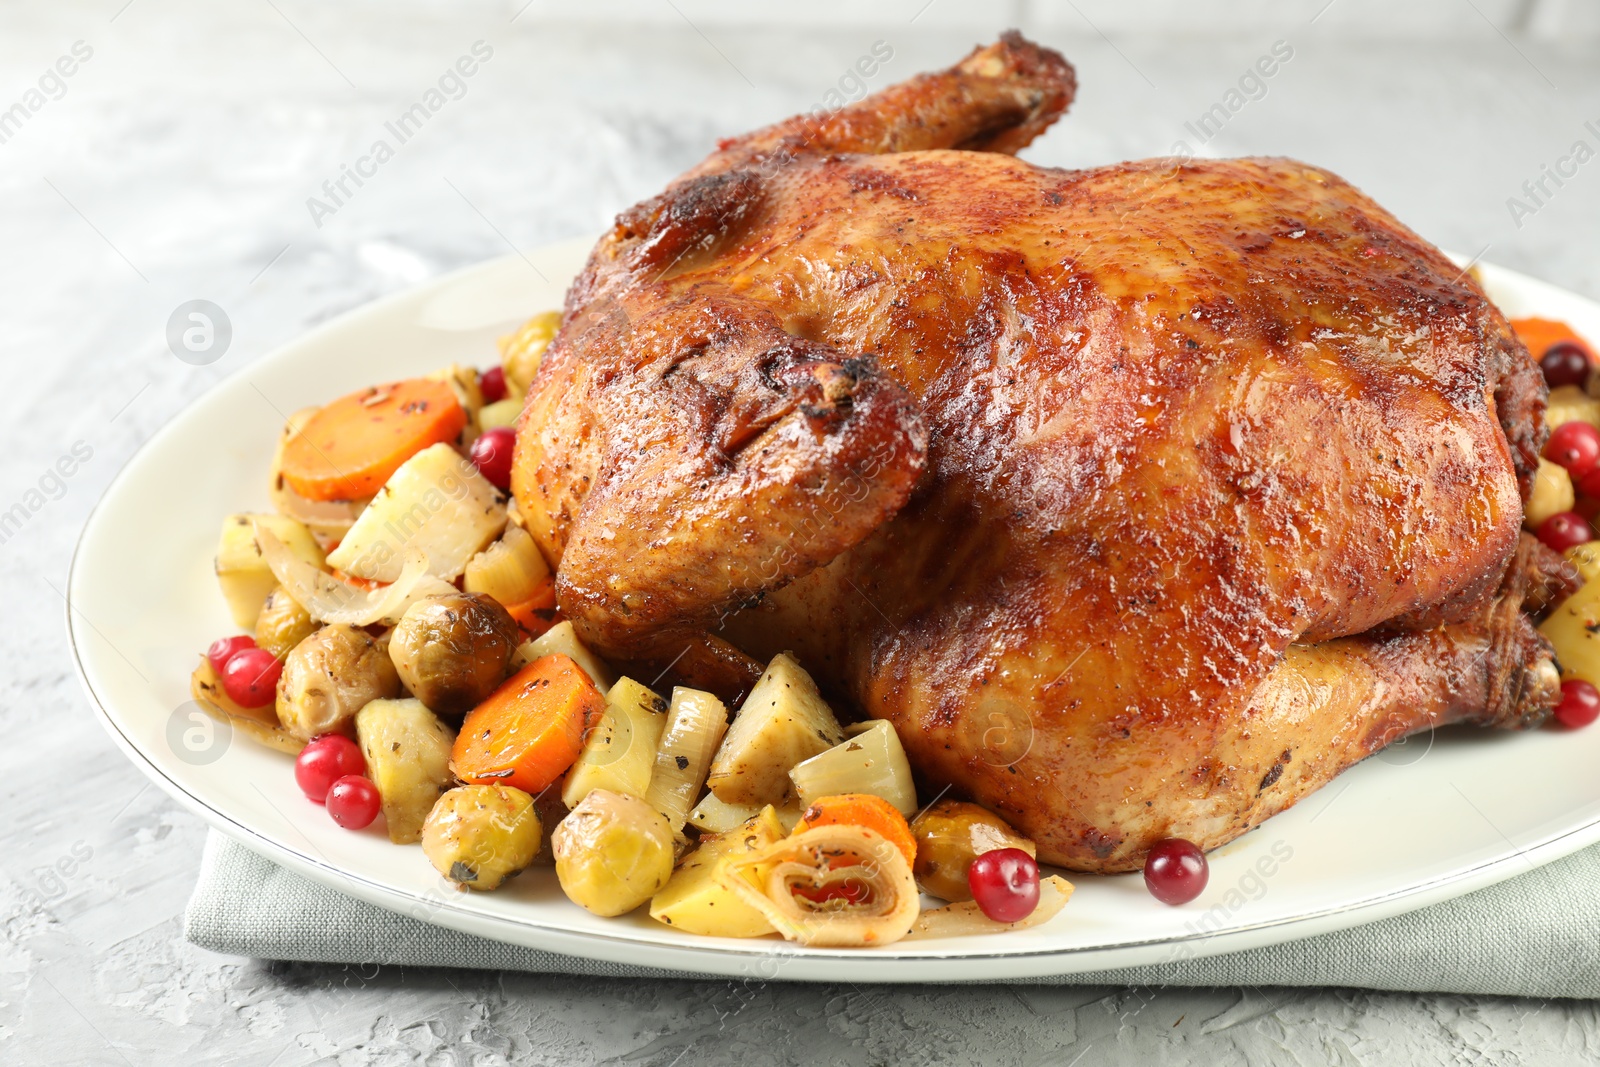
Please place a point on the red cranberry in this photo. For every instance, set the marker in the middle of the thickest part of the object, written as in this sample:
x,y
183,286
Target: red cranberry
x,y
1564,530
1565,363
1580,704
324,761
1005,884
353,802
224,648
491,454
492,383
251,677
1574,445
1175,871
1589,485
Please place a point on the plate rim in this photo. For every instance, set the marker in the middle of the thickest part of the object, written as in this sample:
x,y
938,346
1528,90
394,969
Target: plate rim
x,y
799,963
817,965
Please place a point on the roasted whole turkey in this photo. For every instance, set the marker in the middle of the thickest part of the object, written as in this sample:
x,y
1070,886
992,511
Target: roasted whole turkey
x,y
1143,500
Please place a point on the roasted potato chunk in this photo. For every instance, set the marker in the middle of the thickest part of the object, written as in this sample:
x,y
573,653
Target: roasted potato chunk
x,y
1569,403
243,575
1552,494
562,639
783,721
451,651
695,900
436,502
407,749
1585,557
328,677
479,835
1573,629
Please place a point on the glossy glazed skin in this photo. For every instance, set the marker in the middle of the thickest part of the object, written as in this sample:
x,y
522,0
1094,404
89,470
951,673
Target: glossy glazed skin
x,y
1143,500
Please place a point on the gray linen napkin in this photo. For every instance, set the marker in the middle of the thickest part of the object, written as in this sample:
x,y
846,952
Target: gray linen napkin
x,y
1535,935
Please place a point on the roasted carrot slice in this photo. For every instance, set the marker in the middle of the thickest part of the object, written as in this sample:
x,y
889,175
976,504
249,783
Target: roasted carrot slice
x,y
530,730
861,809
1540,334
350,579
348,449
538,613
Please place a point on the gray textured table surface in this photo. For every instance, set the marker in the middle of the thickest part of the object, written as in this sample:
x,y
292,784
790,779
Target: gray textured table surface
x,y
176,164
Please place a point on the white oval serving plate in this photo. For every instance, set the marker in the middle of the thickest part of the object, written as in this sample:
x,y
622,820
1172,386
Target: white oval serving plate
x,y
1426,820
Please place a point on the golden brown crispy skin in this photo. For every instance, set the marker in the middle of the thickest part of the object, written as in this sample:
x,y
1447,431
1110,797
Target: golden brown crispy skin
x,y
1143,500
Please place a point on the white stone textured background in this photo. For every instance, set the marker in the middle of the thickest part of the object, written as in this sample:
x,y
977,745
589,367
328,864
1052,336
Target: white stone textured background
x,y
177,164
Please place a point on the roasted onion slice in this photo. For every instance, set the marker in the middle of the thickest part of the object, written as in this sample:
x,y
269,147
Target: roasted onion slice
x,y
260,723
831,886
327,599
965,917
